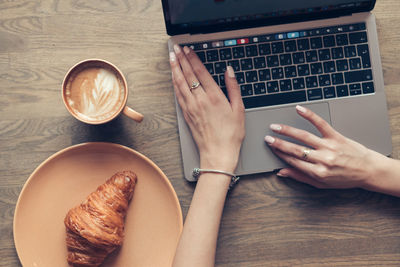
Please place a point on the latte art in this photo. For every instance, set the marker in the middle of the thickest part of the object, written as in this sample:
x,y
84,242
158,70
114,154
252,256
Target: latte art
x,y
95,93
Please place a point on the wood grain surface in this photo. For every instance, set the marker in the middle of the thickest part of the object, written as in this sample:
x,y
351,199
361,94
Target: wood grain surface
x,y
267,221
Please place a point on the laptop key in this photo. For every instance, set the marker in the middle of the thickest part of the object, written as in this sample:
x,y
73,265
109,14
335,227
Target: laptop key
x,y
201,55
225,54
259,62
212,55
259,88
358,37
350,51
342,65
290,46
299,58
337,78
275,99
264,75
324,80
277,48
272,61
272,87
234,64
222,80
358,76
264,49
285,59
303,70
342,90
337,53
368,88
342,39
251,76
316,43
329,92
298,83
246,64
220,67
355,89
329,41
290,72
363,52
316,68
240,77
311,56
324,54
311,81
277,73
329,67
303,44
314,94
210,68
251,50
285,85
216,79
238,52
355,63
246,89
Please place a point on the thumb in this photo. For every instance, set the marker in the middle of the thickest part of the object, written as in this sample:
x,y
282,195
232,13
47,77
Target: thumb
x,y
233,89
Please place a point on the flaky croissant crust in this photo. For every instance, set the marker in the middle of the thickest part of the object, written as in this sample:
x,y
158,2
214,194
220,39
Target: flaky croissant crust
x,y
96,227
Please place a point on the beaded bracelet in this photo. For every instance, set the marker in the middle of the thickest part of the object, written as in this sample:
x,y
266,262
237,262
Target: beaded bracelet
x,y
196,173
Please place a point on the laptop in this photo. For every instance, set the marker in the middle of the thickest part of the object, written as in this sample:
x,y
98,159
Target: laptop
x,y
322,54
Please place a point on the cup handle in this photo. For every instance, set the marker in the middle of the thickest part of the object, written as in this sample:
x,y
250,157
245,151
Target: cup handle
x,y
136,116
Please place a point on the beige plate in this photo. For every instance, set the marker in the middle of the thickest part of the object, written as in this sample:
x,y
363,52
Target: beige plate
x,y
152,226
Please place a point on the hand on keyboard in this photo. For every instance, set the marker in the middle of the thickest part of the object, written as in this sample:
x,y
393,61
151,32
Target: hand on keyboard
x,y
217,125
332,161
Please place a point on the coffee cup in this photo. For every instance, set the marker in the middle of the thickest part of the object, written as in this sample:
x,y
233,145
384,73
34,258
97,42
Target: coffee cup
x,y
95,91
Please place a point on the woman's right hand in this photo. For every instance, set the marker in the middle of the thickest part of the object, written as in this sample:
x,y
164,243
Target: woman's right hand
x,y
332,161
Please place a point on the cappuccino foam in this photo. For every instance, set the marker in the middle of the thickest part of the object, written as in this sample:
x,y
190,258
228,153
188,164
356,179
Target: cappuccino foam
x,y
95,93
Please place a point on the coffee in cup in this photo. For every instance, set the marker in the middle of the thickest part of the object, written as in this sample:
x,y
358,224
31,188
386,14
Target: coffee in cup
x,y
95,92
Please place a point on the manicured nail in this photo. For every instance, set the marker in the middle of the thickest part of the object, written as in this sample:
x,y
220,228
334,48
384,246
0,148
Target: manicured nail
x,y
275,127
177,49
186,50
282,173
269,139
231,73
172,56
301,109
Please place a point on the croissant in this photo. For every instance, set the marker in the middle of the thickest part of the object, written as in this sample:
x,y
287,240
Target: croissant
x,y
95,228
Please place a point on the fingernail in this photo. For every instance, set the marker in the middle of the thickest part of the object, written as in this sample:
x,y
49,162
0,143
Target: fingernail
x,y
275,127
301,109
269,139
186,50
282,173
177,49
172,56
231,73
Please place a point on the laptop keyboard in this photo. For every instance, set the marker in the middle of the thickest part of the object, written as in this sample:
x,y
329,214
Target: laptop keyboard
x,y
291,67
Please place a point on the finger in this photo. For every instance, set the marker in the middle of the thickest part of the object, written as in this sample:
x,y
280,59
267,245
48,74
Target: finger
x,y
294,150
323,127
179,79
200,70
300,135
302,165
178,95
233,90
187,70
300,177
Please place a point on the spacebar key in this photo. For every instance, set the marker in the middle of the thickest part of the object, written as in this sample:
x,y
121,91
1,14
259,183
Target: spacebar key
x,y
274,99
358,76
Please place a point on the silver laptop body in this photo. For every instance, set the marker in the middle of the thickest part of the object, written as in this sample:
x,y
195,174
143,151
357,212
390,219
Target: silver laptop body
x,y
362,118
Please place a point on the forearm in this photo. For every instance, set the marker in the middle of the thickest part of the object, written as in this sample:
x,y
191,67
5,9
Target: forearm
x,y
386,176
199,237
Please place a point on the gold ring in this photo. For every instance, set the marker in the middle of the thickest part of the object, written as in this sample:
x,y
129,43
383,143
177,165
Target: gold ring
x,y
194,85
306,153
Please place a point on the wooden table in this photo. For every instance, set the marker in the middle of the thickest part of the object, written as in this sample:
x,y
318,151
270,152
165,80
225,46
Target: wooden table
x,y
267,221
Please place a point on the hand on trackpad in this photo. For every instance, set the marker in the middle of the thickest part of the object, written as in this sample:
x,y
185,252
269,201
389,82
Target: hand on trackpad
x,y
256,156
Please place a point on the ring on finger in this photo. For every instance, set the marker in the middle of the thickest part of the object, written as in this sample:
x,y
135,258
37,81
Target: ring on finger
x,y
194,85
306,153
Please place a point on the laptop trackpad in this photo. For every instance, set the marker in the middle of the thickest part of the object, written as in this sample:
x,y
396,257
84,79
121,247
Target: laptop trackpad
x,y
256,156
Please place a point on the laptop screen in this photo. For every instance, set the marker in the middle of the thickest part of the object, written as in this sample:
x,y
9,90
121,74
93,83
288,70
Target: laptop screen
x,y
191,16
